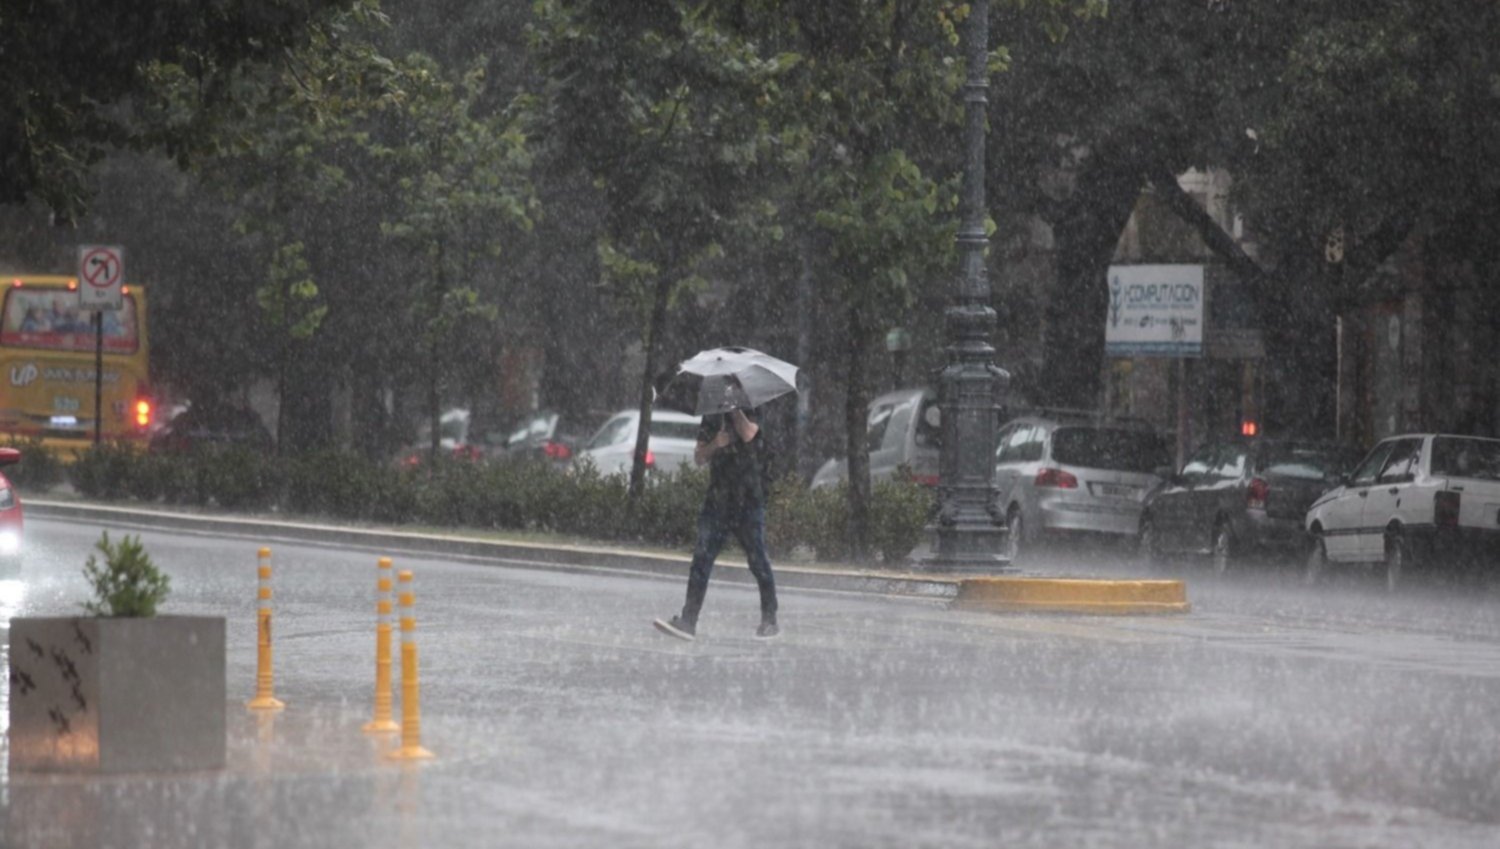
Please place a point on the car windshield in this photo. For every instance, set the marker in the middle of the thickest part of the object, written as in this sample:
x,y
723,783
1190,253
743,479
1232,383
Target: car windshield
x,y
1305,461
1110,448
1461,457
539,427
613,431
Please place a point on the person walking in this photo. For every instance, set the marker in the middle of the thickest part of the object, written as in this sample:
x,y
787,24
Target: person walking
x,y
732,445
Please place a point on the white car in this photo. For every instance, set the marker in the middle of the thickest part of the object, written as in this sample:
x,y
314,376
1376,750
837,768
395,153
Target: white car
x,y
1412,498
674,435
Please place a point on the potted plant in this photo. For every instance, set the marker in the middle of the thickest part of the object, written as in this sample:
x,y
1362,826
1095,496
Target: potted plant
x,y
122,689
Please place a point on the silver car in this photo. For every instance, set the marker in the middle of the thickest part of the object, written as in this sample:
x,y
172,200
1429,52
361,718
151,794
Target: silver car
x,y
902,431
1077,473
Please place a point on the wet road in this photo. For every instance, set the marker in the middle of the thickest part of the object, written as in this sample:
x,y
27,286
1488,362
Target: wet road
x,y
1273,715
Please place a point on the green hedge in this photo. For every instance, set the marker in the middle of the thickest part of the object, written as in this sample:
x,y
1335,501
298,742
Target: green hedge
x,y
39,468
531,496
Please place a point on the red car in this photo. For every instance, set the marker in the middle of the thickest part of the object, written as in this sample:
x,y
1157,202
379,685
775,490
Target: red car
x,y
10,517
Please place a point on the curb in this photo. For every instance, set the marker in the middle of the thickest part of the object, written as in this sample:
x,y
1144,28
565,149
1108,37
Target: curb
x,y
1007,594
1071,595
574,558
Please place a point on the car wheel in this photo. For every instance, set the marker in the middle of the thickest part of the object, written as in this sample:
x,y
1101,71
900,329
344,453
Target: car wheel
x,y
1317,559
1015,528
1223,552
1397,558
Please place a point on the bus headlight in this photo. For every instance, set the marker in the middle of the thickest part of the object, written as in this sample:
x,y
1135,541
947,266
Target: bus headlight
x,y
10,542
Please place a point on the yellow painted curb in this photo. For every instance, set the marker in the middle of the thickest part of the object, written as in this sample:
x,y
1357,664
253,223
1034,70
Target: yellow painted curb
x,y
1071,595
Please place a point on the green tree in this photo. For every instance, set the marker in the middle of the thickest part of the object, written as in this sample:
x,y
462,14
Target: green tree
x,y
276,152
868,120
71,69
662,105
461,180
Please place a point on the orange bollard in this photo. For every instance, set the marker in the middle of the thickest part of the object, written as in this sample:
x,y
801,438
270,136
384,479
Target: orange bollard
x,y
411,720
382,723
265,698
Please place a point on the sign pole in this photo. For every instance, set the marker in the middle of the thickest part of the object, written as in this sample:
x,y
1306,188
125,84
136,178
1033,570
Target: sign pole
x,y
98,373
101,285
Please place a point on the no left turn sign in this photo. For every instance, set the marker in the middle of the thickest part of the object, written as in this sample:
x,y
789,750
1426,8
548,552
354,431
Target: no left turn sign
x,y
101,273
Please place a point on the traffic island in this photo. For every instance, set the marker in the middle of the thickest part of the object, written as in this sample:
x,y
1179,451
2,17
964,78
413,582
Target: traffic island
x,y
1013,594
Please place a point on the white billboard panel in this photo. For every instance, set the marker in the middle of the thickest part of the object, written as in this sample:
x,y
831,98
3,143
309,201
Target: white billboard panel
x,y
1155,311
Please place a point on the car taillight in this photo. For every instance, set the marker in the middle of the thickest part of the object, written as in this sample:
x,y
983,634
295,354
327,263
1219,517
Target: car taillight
x,y
142,413
1445,509
559,451
1056,478
1256,495
650,460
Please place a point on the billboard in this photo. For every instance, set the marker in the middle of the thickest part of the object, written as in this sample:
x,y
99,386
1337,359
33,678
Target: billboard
x,y
1155,311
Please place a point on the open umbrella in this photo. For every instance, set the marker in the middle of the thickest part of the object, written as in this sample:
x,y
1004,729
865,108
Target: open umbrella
x,y
722,379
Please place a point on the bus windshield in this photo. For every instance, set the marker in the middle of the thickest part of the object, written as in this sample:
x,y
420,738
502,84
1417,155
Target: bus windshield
x,y
49,319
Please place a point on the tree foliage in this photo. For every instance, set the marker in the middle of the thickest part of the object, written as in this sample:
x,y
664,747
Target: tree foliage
x,y
663,105
72,69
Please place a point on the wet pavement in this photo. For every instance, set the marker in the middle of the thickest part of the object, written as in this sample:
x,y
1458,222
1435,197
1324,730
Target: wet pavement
x,y
1273,715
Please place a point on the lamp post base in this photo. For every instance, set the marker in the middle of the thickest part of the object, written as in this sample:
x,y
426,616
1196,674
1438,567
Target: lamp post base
x,y
968,547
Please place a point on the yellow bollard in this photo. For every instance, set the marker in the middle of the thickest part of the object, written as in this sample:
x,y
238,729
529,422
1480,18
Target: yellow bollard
x,y
411,720
265,698
382,723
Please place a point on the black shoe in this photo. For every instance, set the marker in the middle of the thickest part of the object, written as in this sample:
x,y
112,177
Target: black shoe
x,y
767,631
676,627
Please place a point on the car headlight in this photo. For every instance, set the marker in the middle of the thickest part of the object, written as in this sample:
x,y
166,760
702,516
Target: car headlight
x,y
10,542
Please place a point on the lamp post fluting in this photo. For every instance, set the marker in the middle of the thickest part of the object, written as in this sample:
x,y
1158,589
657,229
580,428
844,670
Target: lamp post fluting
x,y
970,530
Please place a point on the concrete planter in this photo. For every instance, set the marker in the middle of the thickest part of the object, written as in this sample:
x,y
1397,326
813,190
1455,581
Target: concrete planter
x,y
116,695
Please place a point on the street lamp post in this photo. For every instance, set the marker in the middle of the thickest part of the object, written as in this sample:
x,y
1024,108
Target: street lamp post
x,y
969,530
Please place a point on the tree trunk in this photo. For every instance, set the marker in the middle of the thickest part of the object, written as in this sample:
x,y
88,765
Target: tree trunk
x,y
306,414
803,461
856,421
1073,348
653,342
282,442
434,362
434,404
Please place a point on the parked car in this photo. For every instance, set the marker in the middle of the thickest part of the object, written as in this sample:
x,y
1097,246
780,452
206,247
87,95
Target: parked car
x,y
903,430
1075,472
11,520
673,437
1412,498
457,437
1239,496
546,436
212,426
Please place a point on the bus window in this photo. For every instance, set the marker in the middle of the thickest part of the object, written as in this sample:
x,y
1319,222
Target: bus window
x,y
49,319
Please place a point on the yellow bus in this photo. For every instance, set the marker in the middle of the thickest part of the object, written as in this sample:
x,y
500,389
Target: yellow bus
x,y
47,355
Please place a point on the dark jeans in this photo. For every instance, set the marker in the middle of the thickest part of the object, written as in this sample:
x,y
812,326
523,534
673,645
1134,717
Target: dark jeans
x,y
715,524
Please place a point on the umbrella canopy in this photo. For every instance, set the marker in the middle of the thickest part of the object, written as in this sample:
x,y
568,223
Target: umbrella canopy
x,y
723,379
